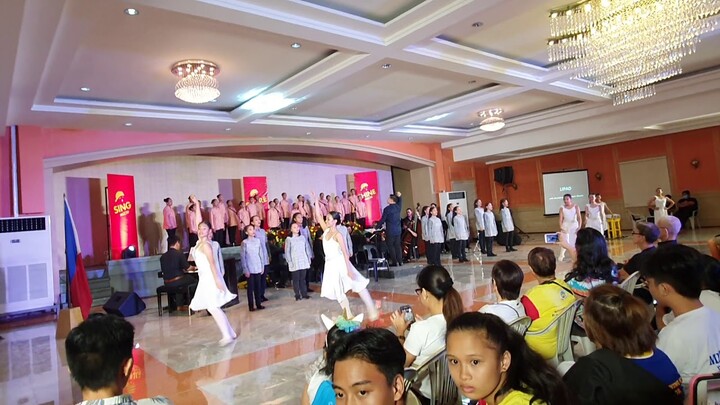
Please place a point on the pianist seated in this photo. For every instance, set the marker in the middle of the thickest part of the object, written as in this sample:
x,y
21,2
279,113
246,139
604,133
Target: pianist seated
x,y
174,267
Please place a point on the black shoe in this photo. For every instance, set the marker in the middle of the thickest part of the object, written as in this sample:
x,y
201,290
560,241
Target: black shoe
x,y
310,290
260,307
483,252
491,255
513,250
297,298
263,299
251,309
306,297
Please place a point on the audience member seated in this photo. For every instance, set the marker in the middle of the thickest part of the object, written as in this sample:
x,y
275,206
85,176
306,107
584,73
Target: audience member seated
x,y
507,279
669,229
710,294
427,337
645,234
543,302
319,389
490,362
593,266
627,368
692,340
686,206
174,267
99,355
714,246
367,367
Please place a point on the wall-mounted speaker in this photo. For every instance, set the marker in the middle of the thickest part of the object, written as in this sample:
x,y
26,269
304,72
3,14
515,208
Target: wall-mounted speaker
x,y
504,175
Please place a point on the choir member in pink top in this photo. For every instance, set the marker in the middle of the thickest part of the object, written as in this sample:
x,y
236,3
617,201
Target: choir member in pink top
x,y
339,207
233,221
217,221
223,207
169,221
191,223
303,209
330,203
260,208
295,210
244,215
252,207
323,204
354,202
347,207
361,212
273,216
285,210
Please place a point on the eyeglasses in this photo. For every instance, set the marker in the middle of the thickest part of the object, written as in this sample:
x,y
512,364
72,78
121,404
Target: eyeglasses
x,y
418,291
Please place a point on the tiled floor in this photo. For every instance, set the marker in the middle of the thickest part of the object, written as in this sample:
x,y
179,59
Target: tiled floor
x,y
178,356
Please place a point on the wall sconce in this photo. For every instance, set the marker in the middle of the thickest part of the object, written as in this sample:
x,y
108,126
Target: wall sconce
x,y
598,176
695,163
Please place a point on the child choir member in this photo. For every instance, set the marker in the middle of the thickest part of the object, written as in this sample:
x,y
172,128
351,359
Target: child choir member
x,y
254,258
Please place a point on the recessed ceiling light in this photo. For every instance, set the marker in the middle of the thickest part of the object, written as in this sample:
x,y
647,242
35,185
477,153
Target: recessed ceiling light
x,y
477,24
128,124
386,66
367,136
85,89
437,117
295,45
410,138
227,129
293,108
131,11
213,101
308,133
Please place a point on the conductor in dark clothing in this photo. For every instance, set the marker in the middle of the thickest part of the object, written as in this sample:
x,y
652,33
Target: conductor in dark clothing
x,y
174,266
393,227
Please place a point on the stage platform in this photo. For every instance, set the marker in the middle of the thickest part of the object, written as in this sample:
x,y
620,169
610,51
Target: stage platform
x,y
140,274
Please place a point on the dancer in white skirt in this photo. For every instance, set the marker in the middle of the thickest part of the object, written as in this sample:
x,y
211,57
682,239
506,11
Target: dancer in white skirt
x,y
594,215
569,222
340,276
211,293
659,204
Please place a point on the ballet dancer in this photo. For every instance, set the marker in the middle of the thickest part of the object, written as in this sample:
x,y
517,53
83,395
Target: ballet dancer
x,y
659,204
569,222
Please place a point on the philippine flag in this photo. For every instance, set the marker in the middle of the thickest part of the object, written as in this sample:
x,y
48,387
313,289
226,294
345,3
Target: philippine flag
x,y
80,295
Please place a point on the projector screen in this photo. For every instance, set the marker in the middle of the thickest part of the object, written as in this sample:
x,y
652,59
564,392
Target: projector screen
x,y
555,185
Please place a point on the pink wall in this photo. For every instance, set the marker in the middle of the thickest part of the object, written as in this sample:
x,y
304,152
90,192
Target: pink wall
x,y
5,174
36,144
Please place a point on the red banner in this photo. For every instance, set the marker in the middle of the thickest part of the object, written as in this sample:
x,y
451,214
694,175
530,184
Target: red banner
x,y
121,209
256,187
137,385
366,184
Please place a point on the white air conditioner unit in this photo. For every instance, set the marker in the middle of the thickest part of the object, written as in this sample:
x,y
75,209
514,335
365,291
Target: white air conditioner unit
x,y
454,197
26,274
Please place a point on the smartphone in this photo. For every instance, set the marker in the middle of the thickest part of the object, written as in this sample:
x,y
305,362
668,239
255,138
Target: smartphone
x,y
407,313
551,238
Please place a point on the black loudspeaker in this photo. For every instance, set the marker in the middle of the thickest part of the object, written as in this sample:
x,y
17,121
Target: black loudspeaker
x,y
504,175
123,303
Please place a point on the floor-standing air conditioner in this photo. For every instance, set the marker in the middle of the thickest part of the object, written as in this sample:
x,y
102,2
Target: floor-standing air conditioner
x,y
456,198
26,274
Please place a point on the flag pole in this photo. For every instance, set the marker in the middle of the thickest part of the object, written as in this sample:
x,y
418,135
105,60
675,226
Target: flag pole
x,y
67,265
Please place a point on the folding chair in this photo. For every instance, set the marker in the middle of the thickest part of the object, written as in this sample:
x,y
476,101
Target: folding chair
x,y
562,325
521,325
630,282
442,388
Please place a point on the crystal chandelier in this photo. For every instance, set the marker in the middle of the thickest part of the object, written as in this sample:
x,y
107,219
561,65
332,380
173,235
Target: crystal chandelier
x,y
197,83
492,121
623,47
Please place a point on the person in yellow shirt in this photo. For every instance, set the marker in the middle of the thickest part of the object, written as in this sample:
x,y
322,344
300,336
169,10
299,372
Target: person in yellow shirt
x,y
545,301
490,362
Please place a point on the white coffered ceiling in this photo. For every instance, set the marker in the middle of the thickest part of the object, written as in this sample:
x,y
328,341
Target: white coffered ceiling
x,y
442,64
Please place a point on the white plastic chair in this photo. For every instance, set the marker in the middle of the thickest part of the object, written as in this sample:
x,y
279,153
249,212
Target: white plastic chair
x,y
630,282
564,321
521,325
694,220
442,387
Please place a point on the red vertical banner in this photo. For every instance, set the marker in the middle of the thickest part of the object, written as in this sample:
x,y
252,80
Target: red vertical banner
x,y
121,209
366,184
137,385
256,187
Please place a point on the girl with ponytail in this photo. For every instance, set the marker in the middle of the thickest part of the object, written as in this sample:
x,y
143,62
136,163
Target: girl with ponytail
x,y
491,362
426,338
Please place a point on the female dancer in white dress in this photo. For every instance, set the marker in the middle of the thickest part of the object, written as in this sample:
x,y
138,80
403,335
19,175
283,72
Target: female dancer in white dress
x,y
569,222
594,215
659,204
211,293
340,275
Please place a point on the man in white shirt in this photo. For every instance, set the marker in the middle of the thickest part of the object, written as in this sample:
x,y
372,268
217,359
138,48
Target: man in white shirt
x,y
507,280
692,340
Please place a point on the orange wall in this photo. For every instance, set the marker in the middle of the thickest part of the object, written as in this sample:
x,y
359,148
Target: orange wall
x,y
5,174
680,149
